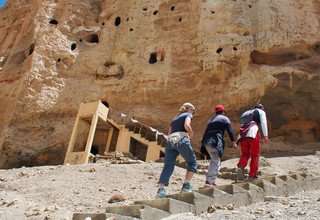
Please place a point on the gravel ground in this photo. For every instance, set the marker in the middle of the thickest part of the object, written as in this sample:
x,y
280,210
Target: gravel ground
x,y
56,192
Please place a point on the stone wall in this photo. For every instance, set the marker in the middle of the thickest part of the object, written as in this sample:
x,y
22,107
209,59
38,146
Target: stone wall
x,y
146,58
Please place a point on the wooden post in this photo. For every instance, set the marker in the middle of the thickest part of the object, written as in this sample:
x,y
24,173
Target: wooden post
x,y
73,136
93,126
110,134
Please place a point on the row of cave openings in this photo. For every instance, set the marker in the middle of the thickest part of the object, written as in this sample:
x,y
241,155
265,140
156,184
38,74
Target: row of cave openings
x,y
220,49
156,56
90,38
117,21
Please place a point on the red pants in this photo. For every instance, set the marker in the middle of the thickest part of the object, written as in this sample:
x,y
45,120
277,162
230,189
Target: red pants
x,y
250,147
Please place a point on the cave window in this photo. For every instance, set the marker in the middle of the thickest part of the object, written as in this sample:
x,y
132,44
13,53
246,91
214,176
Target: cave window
x,y
117,22
131,29
59,60
212,12
80,40
73,46
180,19
103,23
316,48
53,21
127,19
172,8
153,58
155,12
250,6
92,38
219,50
159,55
235,49
94,150
109,63
145,9
105,103
31,48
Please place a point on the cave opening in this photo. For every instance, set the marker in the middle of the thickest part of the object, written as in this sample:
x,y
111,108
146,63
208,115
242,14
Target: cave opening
x,y
219,50
53,21
153,58
31,48
92,38
117,21
105,103
73,46
275,59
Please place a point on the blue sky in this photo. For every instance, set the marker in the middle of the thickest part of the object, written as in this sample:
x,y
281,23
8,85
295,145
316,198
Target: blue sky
x,y
2,2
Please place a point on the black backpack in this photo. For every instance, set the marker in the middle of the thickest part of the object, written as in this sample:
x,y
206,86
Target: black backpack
x,y
249,116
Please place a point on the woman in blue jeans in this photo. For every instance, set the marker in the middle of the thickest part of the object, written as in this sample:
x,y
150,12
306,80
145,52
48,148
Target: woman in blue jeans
x,y
180,133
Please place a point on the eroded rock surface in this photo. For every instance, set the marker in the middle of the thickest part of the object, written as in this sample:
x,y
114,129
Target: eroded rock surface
x,y
146,58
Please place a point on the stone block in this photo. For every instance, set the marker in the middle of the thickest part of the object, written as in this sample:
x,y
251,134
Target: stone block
x,y
168,205
256,193
100,216
199,201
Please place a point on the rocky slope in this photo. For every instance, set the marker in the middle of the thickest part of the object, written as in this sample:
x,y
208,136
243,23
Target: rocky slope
x,y
56,192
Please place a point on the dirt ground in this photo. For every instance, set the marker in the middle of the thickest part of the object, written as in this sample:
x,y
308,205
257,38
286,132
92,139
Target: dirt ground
x,y
56,192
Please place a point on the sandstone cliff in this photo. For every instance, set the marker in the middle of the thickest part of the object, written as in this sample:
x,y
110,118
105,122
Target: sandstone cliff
x,y
145,58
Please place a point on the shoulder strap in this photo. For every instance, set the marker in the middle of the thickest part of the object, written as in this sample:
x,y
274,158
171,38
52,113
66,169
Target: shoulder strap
x,y
256,116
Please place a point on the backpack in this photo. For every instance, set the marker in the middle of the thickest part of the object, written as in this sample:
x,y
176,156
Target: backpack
x,y
247,116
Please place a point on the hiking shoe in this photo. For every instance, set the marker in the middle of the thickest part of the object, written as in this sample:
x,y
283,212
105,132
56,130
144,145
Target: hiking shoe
x,y
252,178
207,184
186,187
161,193
240,175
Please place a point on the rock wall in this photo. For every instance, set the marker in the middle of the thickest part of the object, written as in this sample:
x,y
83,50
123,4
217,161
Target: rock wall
x,y
146,58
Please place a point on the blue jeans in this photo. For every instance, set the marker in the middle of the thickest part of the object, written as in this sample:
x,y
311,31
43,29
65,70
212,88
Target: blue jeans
x,y
184,148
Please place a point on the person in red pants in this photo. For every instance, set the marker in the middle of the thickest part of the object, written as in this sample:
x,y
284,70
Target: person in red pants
x,y
249,139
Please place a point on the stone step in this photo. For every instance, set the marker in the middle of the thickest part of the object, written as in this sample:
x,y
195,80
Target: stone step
x,y
168,205
256,193
227,194
199,202
139,211
239,194
100,216
272,186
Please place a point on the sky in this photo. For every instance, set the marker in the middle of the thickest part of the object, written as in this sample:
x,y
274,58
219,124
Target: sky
x,y
2,2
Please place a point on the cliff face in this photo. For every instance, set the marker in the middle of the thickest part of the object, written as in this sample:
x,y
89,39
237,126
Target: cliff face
x,y
146,58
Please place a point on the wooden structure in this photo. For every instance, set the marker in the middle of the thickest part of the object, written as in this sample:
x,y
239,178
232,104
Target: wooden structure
x,y
88,111
138,140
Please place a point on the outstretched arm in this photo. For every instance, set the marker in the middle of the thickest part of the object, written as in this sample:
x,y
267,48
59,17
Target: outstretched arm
x,y
170,130
187,126
264,127
231,135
